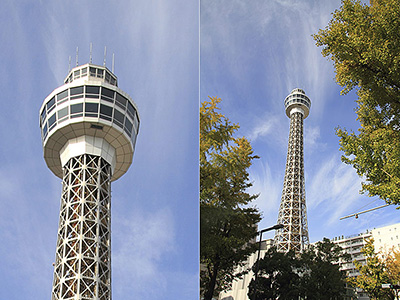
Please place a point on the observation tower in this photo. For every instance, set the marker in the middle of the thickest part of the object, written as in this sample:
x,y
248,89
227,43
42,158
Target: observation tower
x,y
292,210
89,128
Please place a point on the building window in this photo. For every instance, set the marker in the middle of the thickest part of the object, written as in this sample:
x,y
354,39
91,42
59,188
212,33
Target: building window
x,y
62,113
107,94
118,118
92,91
91,109
62,96
76,110
50,105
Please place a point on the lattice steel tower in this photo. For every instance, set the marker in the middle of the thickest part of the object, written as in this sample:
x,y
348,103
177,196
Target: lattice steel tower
x,y
292,211
89,128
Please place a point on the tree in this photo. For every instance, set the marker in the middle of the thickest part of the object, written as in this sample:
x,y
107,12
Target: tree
x,y
227,222
392,263
278,276
363,41
372,275
322,278
313,274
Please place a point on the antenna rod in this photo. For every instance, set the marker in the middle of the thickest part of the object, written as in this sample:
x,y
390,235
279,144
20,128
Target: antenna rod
x,y
105,53
77,52
362,212
69,64
90,58
112,68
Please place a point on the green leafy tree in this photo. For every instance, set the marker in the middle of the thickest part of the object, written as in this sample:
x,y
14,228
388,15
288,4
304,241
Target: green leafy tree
x,y
278,276
322,278
313,274
372,275
227,222
363,41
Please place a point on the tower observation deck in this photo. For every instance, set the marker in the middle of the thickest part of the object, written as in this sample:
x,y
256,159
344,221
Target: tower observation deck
x,y
89,128
292,210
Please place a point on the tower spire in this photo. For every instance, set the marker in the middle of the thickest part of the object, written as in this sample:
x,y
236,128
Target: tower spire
x,y
292,210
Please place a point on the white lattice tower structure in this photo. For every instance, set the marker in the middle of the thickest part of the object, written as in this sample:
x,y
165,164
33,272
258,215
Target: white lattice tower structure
x,y
292,210
89,128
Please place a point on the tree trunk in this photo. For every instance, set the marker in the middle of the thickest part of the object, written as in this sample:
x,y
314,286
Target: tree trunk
x,y
208,295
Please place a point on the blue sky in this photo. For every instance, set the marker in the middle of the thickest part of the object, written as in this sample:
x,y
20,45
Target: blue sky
x,y
155,204
252,54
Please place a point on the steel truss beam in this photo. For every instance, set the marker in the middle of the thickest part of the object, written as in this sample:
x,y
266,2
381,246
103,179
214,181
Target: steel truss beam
x,y
292,211
83,256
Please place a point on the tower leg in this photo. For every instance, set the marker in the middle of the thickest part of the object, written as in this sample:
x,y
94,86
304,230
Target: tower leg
x,y
83,256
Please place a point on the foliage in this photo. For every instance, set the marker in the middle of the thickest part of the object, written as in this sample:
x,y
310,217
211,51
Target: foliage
x,y
227,222
392,263
277,276
364,44
313,274
322,278
372,275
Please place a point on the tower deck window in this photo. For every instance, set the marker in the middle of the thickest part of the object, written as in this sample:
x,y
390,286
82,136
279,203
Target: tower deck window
x,y
107,94
106,112
118,118
62,113
62,97
51,104
76,110
121,101
91,109
92,91
52,121
76,92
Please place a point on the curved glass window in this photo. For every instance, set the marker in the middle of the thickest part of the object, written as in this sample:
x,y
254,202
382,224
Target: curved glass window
x,y
107,94
52,121
76,92
118,118
92,71
84,72
62,113
121,101
106,112
51,104
62,96
44,130
92,91
100,73
91,109
76,110
131,111
43,115
128,127
136,122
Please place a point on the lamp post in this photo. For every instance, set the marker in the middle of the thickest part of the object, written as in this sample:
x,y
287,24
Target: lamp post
x,y
275,227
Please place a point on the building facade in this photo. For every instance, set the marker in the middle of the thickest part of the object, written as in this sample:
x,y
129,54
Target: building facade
x,y
385,239
89,128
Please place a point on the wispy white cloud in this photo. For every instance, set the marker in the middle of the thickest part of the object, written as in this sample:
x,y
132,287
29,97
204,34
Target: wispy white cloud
x,y
268,184
263,127
142,240
333,189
